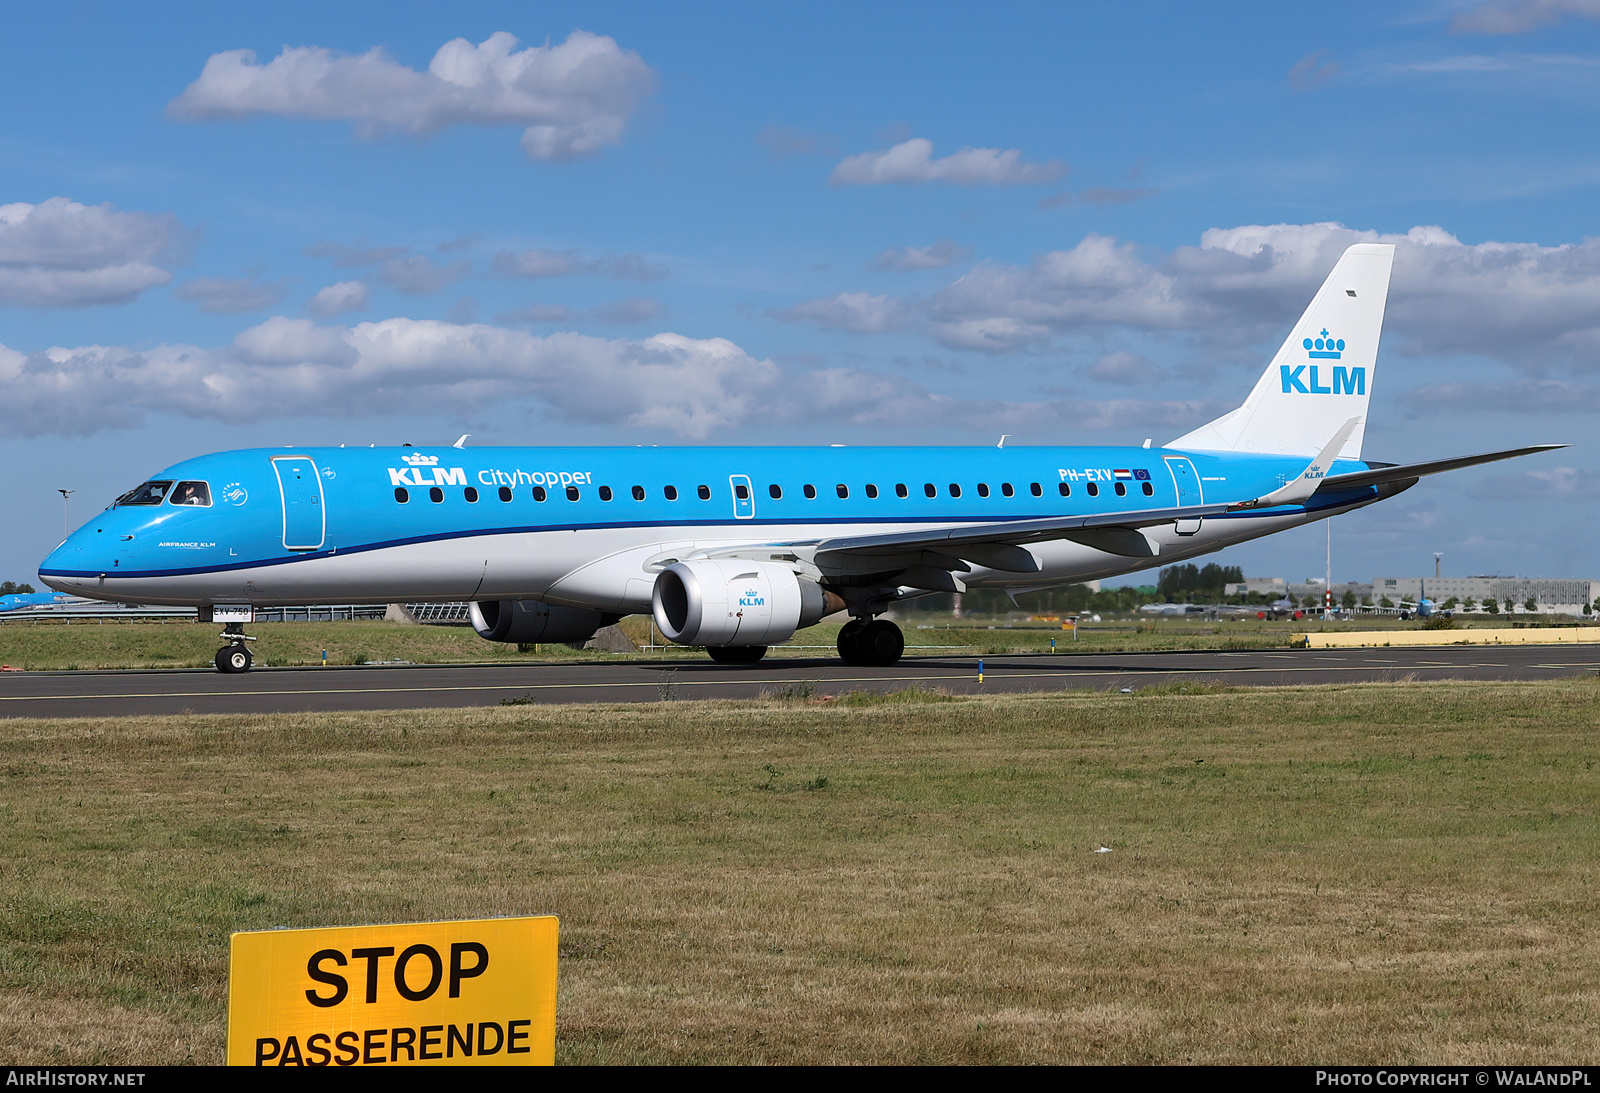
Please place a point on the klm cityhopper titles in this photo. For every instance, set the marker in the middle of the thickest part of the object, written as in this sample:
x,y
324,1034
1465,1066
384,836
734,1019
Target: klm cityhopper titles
x,y
734,549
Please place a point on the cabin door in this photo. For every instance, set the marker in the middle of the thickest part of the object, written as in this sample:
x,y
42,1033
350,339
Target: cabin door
x,y
744,497
1189,491
305,519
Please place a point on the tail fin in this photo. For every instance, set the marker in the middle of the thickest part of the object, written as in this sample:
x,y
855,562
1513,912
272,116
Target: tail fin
x,y
1322,376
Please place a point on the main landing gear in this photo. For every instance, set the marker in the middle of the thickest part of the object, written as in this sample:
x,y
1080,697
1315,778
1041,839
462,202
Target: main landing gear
x,y
235,656
875,644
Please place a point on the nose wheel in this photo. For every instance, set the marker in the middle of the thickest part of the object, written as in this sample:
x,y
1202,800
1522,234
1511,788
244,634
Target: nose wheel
x,y
876,644
235,656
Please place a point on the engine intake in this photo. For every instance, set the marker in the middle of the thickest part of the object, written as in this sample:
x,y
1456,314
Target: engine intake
x,y
525,622
731,601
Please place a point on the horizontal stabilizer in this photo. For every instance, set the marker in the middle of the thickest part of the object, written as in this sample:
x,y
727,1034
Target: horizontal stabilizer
x,y
1380,474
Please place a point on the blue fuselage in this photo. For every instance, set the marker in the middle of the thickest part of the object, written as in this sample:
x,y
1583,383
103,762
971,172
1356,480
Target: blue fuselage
x,y
589,526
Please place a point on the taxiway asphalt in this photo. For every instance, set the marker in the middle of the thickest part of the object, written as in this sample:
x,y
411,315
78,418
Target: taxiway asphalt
x,y
383,687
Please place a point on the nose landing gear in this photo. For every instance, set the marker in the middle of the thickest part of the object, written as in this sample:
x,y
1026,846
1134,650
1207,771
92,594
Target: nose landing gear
x,y
235,656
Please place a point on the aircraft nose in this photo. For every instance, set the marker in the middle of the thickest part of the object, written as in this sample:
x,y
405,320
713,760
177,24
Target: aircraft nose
x,y
75,564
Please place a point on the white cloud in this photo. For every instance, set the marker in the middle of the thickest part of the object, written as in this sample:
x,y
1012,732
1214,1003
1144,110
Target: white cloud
x,y
1525,304
416,275
1124,370
572,99
912,161
1519,16
1562,483
538,313
630,310
857,312
59,253
338,299
232,294
539,262
694,388
943,252
1313,69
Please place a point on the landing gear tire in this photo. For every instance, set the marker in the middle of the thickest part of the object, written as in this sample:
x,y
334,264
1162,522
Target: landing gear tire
x,y
737,654
234,658
877,644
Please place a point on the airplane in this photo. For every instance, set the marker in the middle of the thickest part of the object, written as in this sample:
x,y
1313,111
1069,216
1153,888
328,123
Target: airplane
x,y
22,601
735,548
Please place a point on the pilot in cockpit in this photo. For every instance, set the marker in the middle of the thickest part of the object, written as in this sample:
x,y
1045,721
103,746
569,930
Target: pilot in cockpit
x,y
192,493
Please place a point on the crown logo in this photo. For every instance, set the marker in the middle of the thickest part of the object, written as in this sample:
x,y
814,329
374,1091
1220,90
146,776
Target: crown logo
x,y
420,460
1324,347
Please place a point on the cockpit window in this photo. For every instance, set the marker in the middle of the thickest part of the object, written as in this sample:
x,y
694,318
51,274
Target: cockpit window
x,y
192,493
151,493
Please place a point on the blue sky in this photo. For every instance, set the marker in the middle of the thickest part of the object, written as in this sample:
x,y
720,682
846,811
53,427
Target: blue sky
x,y
862,224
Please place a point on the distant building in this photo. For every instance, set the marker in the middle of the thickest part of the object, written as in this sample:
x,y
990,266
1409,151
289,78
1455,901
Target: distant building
x,y
1554,596
1268,586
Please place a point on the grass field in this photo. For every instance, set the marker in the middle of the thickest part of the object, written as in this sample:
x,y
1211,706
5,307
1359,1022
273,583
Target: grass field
x,y
55,646
1399,874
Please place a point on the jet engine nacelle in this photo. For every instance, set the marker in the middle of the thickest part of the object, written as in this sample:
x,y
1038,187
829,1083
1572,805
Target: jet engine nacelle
x,y
730,601
528,621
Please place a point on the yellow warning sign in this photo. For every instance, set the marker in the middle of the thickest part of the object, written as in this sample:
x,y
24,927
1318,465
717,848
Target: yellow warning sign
x,y
475,992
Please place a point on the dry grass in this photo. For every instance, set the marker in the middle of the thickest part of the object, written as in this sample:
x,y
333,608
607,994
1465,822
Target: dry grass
x,y
1355,874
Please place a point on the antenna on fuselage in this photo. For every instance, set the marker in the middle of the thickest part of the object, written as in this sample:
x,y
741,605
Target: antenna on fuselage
x,y
462,443
1002,443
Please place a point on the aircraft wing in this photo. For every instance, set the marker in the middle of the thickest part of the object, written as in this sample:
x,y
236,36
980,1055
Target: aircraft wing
x,y
997,545
1380,474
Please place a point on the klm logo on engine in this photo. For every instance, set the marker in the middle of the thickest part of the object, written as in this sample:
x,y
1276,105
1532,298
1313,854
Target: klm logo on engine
x,y
752,598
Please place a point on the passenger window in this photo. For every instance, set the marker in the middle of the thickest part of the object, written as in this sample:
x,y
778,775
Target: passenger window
x,y
872,491
775,491
605,493
1094,489
471,494
1066,490
900,489
1036,489
401,494
192,493
741,491
572,493
842,490
930,489
1149,490
151,493
670,492
704,492
983,489
1005,488
638,493
810,491
436,495
955,489
1122,489
505,493
539,494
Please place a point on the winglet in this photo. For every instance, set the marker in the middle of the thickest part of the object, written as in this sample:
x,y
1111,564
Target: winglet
x,y
1309,479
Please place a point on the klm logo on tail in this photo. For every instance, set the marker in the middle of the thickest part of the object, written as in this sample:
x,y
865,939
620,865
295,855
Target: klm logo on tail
x,y
1303,379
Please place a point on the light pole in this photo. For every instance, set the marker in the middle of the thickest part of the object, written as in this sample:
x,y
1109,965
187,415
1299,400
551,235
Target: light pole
x,y
66,520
